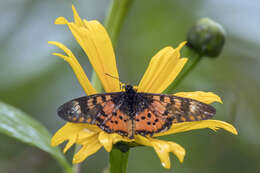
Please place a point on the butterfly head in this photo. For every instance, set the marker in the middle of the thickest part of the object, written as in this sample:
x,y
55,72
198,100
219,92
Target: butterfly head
x,y
129,88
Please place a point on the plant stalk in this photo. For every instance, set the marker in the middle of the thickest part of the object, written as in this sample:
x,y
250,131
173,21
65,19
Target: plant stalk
x,y
118,159
76,167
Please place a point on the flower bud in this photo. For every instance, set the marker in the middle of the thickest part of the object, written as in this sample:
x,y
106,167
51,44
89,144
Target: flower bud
x,y
206,37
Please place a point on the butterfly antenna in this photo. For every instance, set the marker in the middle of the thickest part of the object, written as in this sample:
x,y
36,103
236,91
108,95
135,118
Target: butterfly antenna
x,y
112,76
120,83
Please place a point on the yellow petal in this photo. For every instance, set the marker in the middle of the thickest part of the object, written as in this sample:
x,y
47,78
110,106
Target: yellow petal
x,y
116,138
142,140
86,135
66,132
78,70
94,40
163,148
71,141
162,70
77,19
105,139
69,130
90,146
187,126
61,21
82,135
204,97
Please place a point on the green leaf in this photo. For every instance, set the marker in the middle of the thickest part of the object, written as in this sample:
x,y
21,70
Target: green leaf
x,y
19,125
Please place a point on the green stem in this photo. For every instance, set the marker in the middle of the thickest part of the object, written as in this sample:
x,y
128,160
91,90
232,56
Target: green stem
x,y
76,167
194,59
115,18
118,159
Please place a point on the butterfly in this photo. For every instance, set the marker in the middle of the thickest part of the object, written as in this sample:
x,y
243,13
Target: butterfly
x,y
131,113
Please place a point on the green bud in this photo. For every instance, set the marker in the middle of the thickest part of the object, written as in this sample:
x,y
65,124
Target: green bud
x,y
206,37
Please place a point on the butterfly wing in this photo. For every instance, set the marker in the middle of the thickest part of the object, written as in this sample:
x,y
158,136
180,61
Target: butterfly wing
x,y
163,110
148,122
153,113
98,109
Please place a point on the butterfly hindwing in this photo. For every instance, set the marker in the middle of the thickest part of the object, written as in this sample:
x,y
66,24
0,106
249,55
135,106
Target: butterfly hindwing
x,y
148,122
117,122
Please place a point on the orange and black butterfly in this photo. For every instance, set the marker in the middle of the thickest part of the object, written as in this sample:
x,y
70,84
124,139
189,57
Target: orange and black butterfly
x,y
129,112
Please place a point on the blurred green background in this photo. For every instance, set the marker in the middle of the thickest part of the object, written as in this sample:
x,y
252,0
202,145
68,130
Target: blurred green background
x,y
37,82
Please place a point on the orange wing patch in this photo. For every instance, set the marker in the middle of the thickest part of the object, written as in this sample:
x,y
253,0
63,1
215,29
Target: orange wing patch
x,y
147,122
117,122
112,120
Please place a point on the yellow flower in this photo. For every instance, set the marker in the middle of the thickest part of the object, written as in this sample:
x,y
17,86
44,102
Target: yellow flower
x,y
161,72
